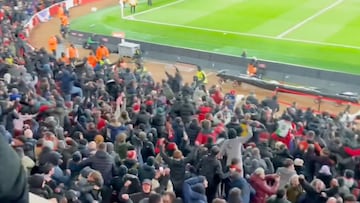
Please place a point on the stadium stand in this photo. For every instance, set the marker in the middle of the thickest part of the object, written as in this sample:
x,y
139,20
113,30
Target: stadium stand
x,y
86,132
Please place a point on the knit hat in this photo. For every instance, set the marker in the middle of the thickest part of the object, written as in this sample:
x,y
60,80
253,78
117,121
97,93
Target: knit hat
x,y
131,154
54,158
147,181
36,181
298,162
150,161
171,146
232,133
325,169
215,150
76,156
122,170
86,171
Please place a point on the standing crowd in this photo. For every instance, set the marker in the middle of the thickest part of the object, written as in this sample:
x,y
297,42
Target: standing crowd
x,y
88,131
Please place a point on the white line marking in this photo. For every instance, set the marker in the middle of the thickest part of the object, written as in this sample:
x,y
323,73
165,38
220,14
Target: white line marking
x,y
317,14
247,34
156,8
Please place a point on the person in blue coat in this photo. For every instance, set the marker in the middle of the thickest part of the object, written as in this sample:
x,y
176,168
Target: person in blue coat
x,y
194,190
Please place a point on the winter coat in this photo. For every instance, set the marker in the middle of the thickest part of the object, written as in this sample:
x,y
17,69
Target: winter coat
x,y
236,181
103,163
311,195
115,131
232,148
285,175
294,193
13,180
187,110
210,167
146,172
191,196
177,168
263,190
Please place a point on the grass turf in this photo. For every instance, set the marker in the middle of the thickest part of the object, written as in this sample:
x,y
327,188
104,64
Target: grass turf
x,y
328,41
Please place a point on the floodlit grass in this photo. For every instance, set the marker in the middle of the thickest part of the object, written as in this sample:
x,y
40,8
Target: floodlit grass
x,y
327,35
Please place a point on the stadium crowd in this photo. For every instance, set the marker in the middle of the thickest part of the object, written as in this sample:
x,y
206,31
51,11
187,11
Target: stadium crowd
x,y
91,131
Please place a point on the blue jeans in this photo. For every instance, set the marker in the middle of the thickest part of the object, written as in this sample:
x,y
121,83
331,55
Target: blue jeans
x,y
74,90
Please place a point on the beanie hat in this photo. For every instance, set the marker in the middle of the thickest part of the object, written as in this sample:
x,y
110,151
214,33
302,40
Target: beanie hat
x,y
76,156
131,154
325,169
36,181
133,171
171,146
298,162
150,161
122,170
215,150
232,133
86,171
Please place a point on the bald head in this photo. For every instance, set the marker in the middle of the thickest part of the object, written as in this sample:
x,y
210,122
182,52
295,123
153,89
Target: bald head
x,y
331,200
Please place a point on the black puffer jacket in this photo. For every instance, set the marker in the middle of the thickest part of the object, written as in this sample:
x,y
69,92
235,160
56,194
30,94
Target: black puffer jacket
x,y
103,163
146,172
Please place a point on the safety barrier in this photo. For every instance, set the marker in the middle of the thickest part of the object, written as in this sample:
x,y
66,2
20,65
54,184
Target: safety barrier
x,y
318,96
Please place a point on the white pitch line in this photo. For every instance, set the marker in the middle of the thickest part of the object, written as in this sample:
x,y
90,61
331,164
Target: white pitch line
x,y
317,14
156,8
247,34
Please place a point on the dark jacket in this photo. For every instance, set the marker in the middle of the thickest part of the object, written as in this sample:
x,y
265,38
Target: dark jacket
x,y
211,168
177,168
239,182
146,172
312,196
13,183
187,110
191,196
103,163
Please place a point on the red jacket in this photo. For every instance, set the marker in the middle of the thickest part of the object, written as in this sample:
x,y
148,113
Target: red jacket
x,y
202,137
217,97
263,190
203,110
352,152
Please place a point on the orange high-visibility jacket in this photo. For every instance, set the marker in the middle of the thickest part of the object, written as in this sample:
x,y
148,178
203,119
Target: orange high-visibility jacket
x,y
52,43
102,52
65,60
92,60
251,71
64,20
73,53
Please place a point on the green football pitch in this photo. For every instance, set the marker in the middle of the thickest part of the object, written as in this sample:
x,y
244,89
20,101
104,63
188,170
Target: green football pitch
x,y
323,34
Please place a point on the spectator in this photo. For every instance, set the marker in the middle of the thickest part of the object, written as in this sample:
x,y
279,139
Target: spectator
x,y
259,181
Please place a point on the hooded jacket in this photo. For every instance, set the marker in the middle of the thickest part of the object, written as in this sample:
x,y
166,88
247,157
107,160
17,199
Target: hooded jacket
x,y
263,190
13,184
103,163
190,193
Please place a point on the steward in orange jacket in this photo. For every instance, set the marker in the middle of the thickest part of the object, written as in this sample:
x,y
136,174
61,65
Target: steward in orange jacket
x,y
73,53
64,59
53,45
92,60
251,70
102,52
